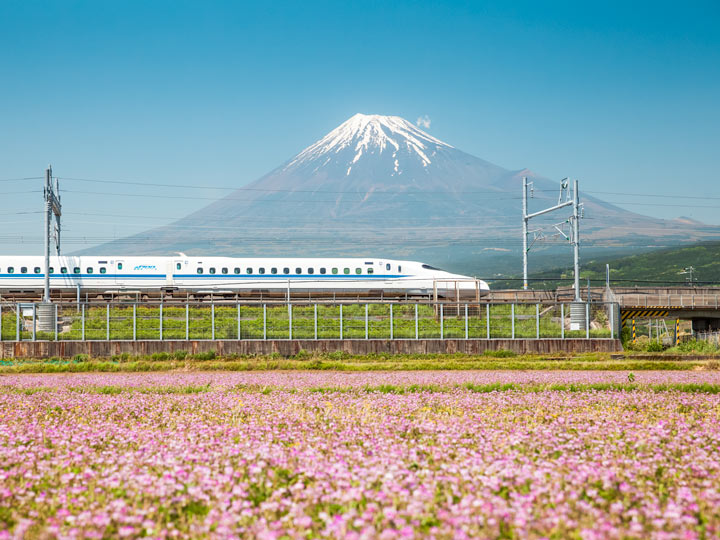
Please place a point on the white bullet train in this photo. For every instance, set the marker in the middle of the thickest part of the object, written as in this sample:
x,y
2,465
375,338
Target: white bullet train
x,y
224,275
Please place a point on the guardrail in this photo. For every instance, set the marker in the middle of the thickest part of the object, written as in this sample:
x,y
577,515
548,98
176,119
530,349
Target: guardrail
x,y
672,301
300,320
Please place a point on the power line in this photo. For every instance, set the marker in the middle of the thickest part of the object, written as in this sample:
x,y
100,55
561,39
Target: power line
x,y
21,179
653,195
273,201
225,188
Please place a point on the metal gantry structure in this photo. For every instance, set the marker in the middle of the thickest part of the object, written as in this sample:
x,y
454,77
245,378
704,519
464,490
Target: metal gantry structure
x,y
564,199
52,208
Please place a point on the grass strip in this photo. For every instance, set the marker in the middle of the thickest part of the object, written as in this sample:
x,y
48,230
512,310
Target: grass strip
x,y
691,388
105,366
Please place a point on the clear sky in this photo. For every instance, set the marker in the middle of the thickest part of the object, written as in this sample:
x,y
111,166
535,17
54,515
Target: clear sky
x,y
624,96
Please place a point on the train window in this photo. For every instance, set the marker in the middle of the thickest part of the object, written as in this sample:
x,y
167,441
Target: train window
x,y
23,269
119,266
178,266
212,270
248,270
298,270
322,270
11,270
387,267
346,270
273,270
261,270
89,270
76,270
102,270
52,270
37,270
63,270
334,270
236,270
286,270
358,270
224,270
199,270
399,268
371,271
311,270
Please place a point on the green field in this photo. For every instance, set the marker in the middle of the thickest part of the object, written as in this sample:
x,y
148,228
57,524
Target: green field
x,y
249,322
340,361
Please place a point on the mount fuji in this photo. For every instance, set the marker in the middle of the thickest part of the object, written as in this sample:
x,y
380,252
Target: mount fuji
x,y
379,185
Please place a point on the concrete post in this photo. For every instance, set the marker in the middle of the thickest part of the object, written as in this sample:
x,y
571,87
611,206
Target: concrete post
x,y
264,321
466,321
134,322
341,321
442,322
512,324
366,322
587,321
392,330
487,319
416,322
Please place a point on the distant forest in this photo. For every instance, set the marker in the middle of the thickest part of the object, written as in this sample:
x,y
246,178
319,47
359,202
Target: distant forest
x,y
661,267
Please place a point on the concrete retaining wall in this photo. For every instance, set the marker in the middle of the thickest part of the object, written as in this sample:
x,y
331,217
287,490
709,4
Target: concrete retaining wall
x,y
46,349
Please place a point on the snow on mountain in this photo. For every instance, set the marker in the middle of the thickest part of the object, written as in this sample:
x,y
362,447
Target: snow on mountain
x,y
367,134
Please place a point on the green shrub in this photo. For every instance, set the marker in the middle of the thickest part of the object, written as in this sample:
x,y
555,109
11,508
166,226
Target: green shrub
x,y
500,353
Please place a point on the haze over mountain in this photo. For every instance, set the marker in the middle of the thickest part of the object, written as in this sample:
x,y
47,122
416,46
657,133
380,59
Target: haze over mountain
x,y
379,185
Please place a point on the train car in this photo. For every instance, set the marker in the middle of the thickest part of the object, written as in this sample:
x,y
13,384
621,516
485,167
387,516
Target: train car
x,y
96,274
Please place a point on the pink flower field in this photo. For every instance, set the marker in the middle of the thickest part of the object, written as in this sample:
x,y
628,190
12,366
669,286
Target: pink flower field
x,y
271,455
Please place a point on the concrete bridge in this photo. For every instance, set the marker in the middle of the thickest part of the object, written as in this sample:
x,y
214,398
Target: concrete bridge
x,y
701,305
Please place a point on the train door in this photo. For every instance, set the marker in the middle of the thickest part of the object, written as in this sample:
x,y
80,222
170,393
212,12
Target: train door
x,y
119,271
176,270
170,273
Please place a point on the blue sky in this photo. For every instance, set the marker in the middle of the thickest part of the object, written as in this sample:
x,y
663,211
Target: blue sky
x,y
623,96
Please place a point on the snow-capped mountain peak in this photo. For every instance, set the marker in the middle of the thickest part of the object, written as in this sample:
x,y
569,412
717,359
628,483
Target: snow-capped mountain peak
x,y
365,134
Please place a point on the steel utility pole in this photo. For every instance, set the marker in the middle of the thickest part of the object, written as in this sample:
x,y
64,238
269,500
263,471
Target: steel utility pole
x,y
525,233
52,206
527,217
576,239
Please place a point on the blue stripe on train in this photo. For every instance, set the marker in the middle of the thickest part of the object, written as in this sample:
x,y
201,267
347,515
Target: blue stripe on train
x,y
206,276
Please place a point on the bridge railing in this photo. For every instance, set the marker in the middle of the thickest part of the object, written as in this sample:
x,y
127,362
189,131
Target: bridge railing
x,y
671,300
301,320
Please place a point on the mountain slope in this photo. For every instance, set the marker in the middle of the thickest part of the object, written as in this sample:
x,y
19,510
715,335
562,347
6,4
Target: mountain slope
x,y
379,185
658,267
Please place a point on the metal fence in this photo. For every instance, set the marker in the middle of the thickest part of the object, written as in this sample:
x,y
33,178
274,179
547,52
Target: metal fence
x,y
301,320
